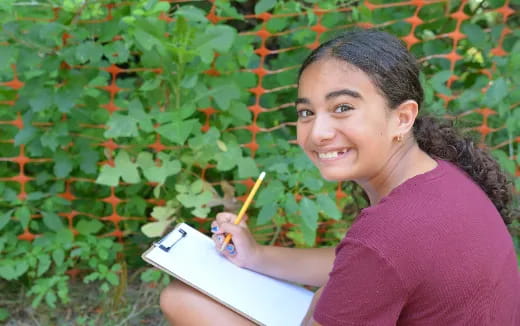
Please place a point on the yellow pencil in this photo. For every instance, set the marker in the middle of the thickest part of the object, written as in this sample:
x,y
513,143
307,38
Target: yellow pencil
x,y
244,208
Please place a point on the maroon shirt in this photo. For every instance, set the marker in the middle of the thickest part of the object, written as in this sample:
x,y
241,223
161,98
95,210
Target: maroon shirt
x,y
435,251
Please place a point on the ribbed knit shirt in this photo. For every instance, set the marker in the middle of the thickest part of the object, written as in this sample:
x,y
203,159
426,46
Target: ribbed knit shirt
x,y
435,251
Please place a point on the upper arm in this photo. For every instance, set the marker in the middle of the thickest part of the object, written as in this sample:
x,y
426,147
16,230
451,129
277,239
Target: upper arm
x,y
363,288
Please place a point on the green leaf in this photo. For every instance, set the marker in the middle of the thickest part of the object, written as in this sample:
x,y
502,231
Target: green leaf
x,y
192,14
225,162
155,173
112,278
496,92
196,186
226,94
13,269
309,234
264,5
50,299
475,34
136,111
41,99
266,213
23,214
66,96
62,164
150,84
7,57
439,80
309,213
201,212
65,237
108,176
25,135
52,221
290,204
120,125
88,159
89,52
147,41
162,213
5,218
177,131
240,113
155,229
116,52
270,193
247,168
216,38
126,168
328,206
53,137
189,81
193,200
44,262
58,255
312,183
89,226
105,287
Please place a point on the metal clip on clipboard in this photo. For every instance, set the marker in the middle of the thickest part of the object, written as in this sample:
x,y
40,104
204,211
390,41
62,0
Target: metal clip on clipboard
x,y
171,239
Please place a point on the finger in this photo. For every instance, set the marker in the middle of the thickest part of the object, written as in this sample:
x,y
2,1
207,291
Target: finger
x,y
218,239
234,229
225,217
214,227
230,250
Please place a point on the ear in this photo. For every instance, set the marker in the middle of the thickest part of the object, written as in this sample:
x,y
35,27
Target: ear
x,y
404,116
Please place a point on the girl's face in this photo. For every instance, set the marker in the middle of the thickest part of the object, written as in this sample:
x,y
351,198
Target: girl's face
x,y
343,122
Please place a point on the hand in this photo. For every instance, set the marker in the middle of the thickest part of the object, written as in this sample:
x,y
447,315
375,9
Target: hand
x,y
242,250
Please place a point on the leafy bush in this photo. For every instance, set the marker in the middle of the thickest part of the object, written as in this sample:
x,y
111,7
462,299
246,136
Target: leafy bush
x,y
114,112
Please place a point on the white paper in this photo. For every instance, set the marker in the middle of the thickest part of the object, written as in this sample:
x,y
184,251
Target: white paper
x,y
263,299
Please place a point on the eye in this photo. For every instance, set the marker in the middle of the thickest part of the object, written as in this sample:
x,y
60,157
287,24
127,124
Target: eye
x,y
343,108
304,113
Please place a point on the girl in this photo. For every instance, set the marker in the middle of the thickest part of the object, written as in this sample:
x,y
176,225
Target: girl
x,y
432,248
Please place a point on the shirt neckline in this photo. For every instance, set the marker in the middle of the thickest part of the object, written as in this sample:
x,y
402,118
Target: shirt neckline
x,y
410,182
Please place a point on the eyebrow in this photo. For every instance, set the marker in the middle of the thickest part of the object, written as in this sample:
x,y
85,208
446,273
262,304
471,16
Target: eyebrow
x,y
331,95
341,92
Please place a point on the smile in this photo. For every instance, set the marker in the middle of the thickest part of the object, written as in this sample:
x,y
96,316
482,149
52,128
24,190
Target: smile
x,y
332,155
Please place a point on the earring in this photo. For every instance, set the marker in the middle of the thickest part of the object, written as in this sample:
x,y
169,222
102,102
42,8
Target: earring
x,y
399,138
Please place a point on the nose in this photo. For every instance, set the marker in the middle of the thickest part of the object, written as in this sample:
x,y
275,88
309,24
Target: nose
x,y
322,129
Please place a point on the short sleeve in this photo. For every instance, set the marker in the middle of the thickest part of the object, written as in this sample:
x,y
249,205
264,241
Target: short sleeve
x,y
363,289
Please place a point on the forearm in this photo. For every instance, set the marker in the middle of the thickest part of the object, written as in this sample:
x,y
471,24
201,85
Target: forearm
x,y
309,266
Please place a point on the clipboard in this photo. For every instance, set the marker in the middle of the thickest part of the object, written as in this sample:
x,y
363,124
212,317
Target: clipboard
x,y
191,257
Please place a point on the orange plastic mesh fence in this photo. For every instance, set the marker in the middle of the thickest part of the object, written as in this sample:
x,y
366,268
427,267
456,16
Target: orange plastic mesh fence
x,y
320,27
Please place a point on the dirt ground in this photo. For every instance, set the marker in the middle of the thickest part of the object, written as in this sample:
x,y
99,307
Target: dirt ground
x,y
138,304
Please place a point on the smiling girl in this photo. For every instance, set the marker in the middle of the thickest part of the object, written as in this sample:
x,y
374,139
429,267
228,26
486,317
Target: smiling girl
x,y
431,249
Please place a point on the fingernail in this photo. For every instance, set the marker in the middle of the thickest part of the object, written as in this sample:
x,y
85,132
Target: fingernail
x,y
214,228
219,238
230,248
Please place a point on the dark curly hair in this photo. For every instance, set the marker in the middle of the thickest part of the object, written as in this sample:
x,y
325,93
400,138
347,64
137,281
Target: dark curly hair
x,y
395,73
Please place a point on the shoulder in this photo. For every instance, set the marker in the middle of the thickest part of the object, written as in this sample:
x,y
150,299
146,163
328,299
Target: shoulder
x,y
435,199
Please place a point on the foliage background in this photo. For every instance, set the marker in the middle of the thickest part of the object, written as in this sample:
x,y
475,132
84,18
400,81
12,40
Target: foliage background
x,y
119,118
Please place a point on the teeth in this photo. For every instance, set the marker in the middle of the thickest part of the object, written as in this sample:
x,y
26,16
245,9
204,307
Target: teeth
x,y
330,154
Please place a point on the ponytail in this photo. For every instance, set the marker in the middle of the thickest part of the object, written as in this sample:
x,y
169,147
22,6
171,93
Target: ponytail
x,y
441,140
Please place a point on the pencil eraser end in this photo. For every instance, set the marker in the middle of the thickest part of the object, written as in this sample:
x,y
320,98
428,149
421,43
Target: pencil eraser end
x,y
262,175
